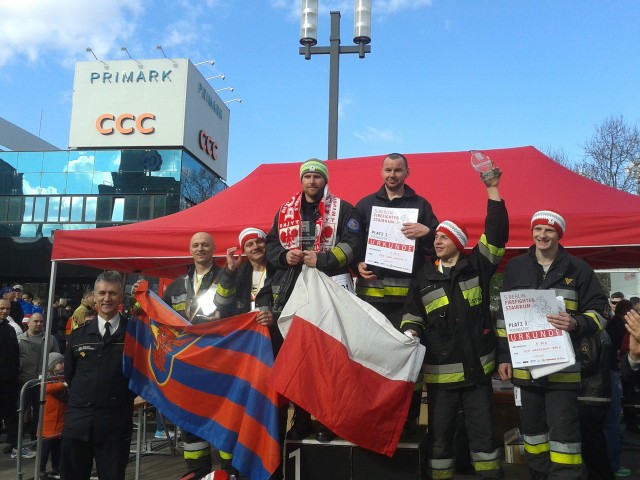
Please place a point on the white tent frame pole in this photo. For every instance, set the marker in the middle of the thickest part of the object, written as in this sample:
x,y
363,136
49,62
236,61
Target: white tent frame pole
x,y
45,363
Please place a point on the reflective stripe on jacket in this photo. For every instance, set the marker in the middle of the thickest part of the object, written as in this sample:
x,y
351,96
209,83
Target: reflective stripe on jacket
x,y
450,310
571,278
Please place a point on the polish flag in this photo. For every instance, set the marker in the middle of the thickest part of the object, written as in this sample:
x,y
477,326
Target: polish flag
x,y
345,363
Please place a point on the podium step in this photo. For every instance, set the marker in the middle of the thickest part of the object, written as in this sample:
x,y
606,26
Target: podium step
x,y
309,459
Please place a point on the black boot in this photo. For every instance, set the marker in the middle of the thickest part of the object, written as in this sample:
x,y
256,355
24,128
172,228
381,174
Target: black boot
x,y
324,434
225,464
300,425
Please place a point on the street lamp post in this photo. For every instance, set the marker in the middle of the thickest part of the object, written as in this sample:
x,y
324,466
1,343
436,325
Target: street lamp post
x,y
308,38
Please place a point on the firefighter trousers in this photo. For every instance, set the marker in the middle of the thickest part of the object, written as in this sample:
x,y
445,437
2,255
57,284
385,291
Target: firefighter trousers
x,y
477,403
550,420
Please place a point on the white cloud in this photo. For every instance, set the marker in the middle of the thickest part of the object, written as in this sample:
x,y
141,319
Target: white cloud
x,y
372,134
179,34
27,189
84,163
31,28
343,103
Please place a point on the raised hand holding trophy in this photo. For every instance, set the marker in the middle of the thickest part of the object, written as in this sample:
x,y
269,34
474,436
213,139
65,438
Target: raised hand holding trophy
x,y
483,164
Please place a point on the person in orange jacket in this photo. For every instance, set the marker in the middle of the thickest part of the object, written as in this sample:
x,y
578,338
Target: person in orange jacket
x,y
54,409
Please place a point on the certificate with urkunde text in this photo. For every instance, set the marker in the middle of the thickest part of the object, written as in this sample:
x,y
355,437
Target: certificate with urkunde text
x,y
386,244
532,339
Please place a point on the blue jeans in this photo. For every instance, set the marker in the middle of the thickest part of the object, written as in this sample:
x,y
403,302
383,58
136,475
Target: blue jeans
x,y
612,422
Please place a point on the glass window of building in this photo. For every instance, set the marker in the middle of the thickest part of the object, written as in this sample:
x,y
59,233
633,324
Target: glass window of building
x,y
16,207
81,161
170,160
79,183
54,183
8,158
31,184
117,215
159,206
29,230
145,207
53,209
55,162
28,209
39,209
65,208
107,160
77,208
131,208
4,208
90,209
30,161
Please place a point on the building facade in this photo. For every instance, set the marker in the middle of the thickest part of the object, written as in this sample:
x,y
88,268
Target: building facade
x,y
71,189
147,138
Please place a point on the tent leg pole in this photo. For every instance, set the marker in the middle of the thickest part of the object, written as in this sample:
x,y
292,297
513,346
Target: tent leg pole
x,y
45,362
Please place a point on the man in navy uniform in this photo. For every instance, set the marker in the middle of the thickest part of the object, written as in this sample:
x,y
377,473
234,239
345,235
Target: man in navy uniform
x,y
98,422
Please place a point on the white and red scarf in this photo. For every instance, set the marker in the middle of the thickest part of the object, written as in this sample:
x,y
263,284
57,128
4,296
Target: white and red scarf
x,y
290,222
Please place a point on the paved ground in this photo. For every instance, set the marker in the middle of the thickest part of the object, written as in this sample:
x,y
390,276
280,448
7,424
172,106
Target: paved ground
x,y
167,467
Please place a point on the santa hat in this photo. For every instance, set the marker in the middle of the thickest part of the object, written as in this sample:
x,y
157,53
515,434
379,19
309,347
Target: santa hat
x,y
456,233
249,234
547,217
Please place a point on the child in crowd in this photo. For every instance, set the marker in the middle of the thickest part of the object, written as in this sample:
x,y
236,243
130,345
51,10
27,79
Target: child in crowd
x,y
54,409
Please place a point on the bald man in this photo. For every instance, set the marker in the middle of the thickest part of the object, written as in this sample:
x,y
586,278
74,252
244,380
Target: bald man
x,y
191,295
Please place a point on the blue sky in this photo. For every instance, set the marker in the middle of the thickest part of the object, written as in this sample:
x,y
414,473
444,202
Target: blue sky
x,y
443,75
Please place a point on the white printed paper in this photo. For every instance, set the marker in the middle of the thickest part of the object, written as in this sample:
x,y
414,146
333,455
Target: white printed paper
x,y
532,339
386,244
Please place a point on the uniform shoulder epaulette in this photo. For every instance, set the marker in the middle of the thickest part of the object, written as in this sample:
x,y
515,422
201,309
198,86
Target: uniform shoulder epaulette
x,y
82,325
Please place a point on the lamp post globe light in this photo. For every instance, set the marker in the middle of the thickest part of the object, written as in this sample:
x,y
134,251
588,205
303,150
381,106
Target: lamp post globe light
x,y
309,39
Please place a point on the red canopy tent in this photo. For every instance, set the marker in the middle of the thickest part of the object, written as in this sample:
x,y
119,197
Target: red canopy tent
x,y
601,226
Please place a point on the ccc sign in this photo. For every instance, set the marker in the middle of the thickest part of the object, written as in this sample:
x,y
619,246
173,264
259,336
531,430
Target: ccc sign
x,y
208,144
126,124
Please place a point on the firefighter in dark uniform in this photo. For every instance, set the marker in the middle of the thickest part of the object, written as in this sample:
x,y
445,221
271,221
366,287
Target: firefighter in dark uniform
x,y
550,413
317,229
192,295
241,290
98,421
384,288
448,307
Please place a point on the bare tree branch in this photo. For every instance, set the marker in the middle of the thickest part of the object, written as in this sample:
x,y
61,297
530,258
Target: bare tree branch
x,y
612,155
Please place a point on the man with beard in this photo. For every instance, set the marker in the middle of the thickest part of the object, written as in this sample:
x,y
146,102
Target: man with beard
x,y
317,229
240,286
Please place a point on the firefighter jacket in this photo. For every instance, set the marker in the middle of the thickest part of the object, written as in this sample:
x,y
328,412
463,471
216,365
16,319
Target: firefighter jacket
x,y
334,262
392,285
233,297
182,297
595,369
450,310
574,280
233,294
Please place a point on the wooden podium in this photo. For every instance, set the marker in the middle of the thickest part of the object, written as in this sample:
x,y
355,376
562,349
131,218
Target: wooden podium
x,y
309,459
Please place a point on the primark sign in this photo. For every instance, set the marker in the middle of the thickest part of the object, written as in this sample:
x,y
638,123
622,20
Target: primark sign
x,y
149,104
